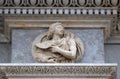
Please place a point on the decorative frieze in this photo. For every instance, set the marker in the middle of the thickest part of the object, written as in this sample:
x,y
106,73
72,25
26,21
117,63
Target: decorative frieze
x,y
59,3
93,8
2,75
78,11
107,71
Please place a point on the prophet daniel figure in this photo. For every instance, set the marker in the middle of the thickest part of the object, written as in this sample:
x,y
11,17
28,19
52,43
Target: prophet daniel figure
x,y
57,46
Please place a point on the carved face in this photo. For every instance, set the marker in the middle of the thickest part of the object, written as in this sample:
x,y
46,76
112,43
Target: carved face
x,y
59,30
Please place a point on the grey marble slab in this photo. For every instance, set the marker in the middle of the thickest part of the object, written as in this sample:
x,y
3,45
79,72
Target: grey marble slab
x,y
5,53
92,38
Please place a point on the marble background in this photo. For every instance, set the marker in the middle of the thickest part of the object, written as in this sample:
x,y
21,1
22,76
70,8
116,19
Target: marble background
x,y
5,53
92,38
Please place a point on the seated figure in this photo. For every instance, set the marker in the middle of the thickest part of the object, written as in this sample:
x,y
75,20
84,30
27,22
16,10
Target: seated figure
x,y
57,46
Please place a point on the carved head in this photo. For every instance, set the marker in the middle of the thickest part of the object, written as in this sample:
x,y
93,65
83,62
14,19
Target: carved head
x,y
55,28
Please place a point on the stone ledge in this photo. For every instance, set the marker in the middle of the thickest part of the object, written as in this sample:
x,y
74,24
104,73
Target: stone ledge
x,y
73,70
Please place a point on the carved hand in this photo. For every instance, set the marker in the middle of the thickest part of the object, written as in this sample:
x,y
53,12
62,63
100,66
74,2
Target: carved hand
x,y
57,42
55,49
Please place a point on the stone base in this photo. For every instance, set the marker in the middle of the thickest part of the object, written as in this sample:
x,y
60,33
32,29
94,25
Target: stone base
x,y
59,71
92,38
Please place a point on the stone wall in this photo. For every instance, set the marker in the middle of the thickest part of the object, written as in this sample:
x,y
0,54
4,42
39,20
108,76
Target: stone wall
x,y
5,53
112,55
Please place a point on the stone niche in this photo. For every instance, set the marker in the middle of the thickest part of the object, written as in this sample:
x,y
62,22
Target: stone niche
x,y
91,20
23,30
92,38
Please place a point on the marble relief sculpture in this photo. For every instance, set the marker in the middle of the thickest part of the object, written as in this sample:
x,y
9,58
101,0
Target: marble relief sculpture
x,y
57,46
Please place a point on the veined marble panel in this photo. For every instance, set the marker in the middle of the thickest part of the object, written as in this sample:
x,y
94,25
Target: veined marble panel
x,y
93,40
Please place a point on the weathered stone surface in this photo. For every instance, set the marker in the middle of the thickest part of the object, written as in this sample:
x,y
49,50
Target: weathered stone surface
x,y
112,55
93,43
92,38
5,53
59,71
22,45
3,39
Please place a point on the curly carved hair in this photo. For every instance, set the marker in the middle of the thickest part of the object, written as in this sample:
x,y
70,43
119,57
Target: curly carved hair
x,y
52,28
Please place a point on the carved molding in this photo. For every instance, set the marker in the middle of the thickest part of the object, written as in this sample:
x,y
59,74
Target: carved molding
x,y
107,71
67,11
59,3
93,8
73,22
2,75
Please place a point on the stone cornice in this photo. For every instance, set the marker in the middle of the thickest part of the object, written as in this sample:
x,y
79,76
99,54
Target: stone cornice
x,y
59,10
107,71
94,8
